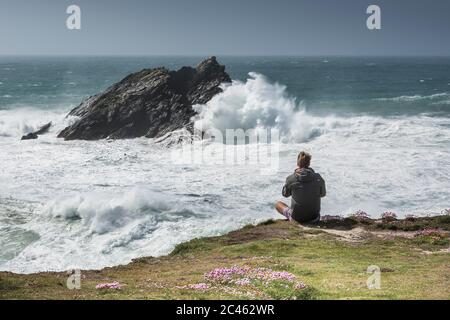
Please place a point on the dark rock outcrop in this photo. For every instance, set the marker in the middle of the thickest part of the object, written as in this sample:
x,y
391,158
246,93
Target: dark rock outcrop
x,y
34,135
148,103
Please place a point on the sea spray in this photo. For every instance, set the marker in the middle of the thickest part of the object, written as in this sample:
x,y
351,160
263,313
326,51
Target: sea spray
x,y
17,122
258,104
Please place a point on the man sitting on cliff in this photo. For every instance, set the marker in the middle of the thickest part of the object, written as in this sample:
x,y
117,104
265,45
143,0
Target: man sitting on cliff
x,y
306,188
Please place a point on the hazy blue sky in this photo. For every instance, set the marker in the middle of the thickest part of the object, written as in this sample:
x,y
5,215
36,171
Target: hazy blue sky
x,y
225,27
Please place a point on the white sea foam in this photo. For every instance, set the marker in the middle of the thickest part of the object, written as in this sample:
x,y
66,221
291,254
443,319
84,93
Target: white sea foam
x,y
17,122
102,212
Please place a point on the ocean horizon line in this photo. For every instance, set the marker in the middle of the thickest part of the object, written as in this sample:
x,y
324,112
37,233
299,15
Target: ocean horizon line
x,y
217,55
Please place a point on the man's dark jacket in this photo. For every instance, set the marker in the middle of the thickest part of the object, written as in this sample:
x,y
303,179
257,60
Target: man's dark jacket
x,y
306,188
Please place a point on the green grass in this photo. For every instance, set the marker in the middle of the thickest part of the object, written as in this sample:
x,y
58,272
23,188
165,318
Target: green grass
x,y
412,267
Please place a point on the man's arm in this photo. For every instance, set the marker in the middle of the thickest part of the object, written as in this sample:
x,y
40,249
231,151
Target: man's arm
x,y
287,192
323,189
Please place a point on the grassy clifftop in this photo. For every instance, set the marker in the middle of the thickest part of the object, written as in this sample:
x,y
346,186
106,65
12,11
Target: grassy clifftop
x,y
275,260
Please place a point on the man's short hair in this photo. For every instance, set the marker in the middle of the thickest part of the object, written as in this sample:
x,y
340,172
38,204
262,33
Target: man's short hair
x,y
304,159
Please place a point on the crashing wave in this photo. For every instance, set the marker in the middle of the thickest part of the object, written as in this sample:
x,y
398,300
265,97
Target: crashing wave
x,y
17,122
104,213
258,104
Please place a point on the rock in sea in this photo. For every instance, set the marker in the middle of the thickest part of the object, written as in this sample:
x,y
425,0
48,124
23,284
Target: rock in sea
x,y
34,135
150,103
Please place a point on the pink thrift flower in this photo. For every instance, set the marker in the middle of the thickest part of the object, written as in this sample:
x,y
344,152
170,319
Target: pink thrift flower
x,y
196,286
199,286
300,286
243,282
360,215
389,216
112,285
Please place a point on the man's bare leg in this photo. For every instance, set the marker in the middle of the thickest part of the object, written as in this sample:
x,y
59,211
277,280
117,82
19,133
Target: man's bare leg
x,y
280,206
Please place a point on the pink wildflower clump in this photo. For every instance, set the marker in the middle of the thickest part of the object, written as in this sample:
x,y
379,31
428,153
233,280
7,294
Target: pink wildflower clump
x,y
300,286
389,216
243,282
226,274
360,215
112,285
429,232
195,286
269,275
199,286
244,275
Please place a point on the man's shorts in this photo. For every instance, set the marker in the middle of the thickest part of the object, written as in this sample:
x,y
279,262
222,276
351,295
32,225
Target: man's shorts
x,y
287,212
